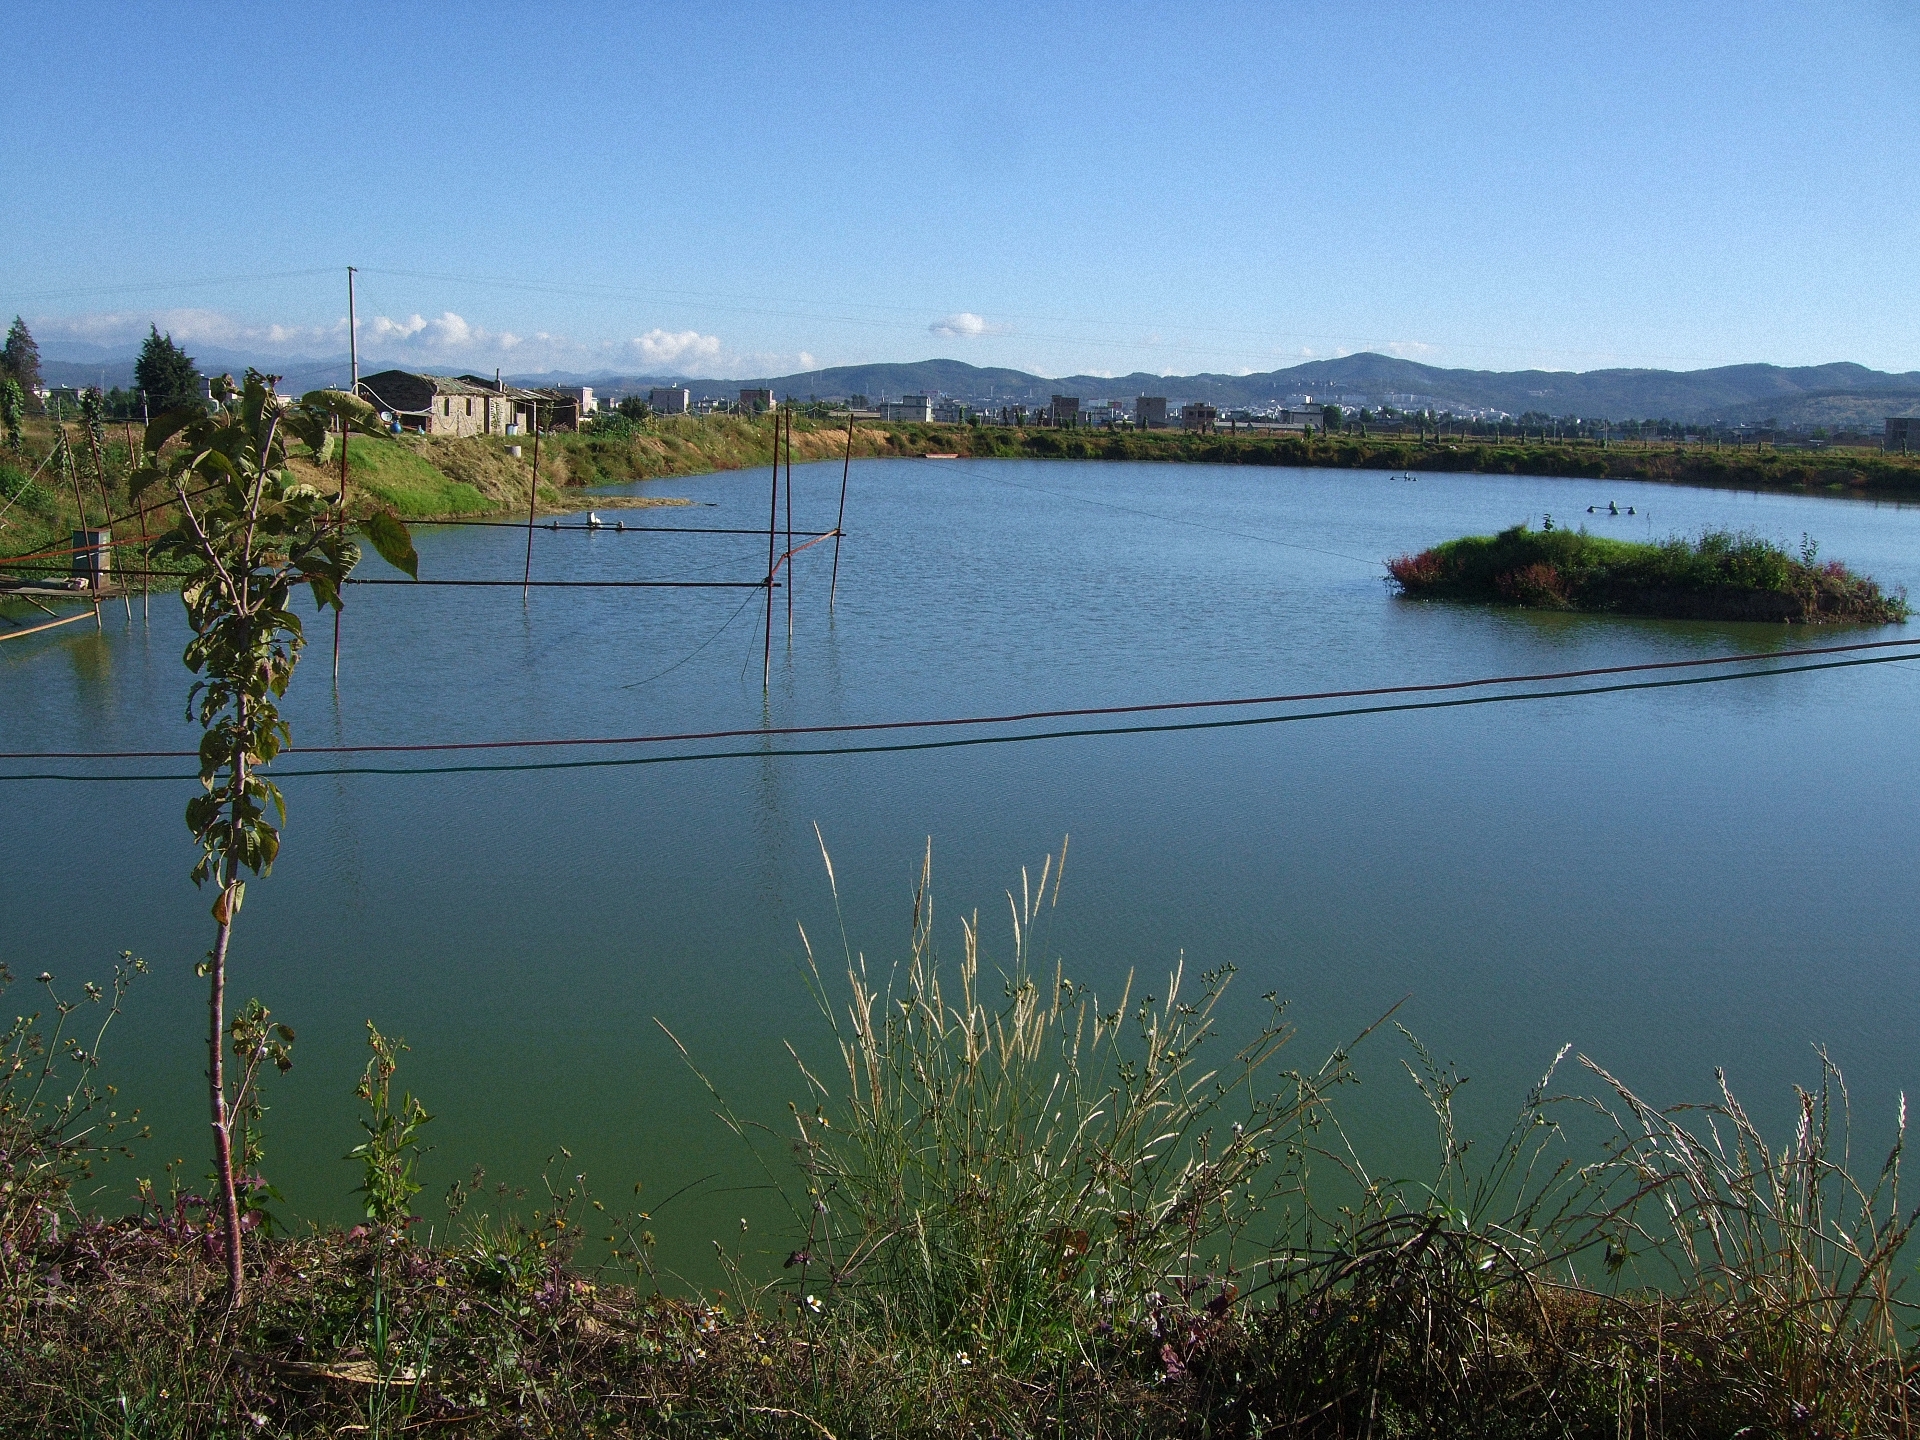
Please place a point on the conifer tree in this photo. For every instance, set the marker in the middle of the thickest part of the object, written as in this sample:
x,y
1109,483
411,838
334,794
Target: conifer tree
x,y
20,358
166,372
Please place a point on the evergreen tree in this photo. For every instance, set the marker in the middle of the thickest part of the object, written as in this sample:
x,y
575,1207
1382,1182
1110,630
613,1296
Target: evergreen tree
x,y
13,410
20,358
165,372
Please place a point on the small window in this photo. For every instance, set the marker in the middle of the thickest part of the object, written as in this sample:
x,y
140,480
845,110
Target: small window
x,y
446,407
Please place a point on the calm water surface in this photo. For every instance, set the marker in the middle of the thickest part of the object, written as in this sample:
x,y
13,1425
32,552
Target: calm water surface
x,y
1667,880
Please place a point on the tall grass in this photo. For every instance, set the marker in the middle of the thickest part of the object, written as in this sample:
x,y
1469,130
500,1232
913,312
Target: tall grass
x,y
1008,1163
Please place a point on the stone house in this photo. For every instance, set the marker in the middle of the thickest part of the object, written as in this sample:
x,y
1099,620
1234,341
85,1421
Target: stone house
x,y
446,405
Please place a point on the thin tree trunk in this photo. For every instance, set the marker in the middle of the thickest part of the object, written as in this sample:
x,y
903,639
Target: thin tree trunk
x,y
216,1065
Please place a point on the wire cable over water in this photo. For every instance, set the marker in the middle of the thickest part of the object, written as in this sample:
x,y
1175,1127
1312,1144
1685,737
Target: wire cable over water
x,y
775,752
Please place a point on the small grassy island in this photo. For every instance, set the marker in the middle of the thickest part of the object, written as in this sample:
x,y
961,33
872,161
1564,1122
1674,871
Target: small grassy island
x,y
1720,576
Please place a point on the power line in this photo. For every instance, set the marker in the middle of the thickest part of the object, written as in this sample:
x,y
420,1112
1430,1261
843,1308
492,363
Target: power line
x,y
975,740
1085,712
583,584
621,527
142,285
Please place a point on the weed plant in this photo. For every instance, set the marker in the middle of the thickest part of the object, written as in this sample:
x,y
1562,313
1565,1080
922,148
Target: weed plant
x,y
1012,1167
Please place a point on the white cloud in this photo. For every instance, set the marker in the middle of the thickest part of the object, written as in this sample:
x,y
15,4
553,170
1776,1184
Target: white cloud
x,y
664,347
966,325
189,327
1410,349
447,334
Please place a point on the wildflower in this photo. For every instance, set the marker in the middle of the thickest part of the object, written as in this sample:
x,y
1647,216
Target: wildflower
x,y
813,1304
961,1357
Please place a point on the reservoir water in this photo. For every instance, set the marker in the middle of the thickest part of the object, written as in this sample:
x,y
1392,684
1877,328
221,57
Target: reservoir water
x,y
1669,880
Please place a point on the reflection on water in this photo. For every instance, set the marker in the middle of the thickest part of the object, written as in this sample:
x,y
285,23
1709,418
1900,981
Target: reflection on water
x,y
1668,880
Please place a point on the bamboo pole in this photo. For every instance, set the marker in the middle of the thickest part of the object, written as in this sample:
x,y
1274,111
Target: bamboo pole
x,y
48,625
80,508
140,506
840,520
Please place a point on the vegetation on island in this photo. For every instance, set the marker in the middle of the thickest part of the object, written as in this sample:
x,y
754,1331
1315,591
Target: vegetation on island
x,y
1718,576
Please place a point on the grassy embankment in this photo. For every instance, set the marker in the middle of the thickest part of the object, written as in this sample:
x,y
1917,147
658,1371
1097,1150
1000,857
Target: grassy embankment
x,y
428,478
1720,576
1860,472
1013,1213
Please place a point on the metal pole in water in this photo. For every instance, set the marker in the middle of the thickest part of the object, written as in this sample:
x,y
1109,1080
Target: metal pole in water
x,y
773,512
789,526
841,519
340,517
533,492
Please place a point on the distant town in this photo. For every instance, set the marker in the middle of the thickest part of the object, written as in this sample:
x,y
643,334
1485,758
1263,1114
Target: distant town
x,y
1813,407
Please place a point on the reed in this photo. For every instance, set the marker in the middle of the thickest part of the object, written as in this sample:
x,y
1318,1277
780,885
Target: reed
x,y
1010,1165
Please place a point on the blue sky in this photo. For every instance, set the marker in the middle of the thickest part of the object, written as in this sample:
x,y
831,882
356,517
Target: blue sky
x,y
743,189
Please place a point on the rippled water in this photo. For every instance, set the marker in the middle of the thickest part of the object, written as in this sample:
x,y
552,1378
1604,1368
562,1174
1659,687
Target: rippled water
x,y
1669,880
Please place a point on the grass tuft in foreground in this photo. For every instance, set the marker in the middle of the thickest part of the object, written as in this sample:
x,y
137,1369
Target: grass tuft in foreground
x,y
1720,576
1022,1213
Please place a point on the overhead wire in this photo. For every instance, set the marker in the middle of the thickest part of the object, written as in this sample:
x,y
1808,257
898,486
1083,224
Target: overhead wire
x,y
1020,717
635,685
898,747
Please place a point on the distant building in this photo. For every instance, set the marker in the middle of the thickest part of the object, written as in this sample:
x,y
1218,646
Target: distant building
x,y
1106,413
917,409
1198,417
444,405
1065,410
756,402
1150,412
670,400
563,408
950,412
1903,434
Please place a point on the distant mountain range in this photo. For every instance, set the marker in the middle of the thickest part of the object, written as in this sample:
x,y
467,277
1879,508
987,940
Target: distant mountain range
x,y
1834,395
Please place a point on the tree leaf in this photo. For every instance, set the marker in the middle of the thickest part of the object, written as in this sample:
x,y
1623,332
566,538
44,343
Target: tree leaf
x,y
338,403
141,479
390,538
169,423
